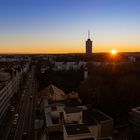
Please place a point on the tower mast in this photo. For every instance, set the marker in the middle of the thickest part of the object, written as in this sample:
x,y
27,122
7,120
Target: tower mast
x,y
89,45
88,34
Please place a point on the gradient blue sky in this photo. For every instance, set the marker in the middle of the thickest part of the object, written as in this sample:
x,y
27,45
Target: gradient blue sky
x,y
60,26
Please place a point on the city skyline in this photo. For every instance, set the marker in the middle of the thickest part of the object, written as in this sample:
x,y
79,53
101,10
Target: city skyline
x,y
52,26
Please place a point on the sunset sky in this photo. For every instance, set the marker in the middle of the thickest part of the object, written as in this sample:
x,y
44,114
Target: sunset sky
x,y
61,26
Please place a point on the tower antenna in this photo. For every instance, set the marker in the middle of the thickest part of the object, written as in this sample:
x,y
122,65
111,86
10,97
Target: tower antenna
x,y
89,34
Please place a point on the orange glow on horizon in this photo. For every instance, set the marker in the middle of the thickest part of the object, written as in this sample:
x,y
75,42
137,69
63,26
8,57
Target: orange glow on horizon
x,y
64,48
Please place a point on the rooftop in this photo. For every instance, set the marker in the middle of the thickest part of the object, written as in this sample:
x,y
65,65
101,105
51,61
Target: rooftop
x,y
93,117
72,110
100,116
76,129
51,90
72,102
88,118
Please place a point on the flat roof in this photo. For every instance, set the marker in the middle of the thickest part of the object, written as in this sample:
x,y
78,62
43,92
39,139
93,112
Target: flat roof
x,y
88,118
100,116
72,102
76,129
72,110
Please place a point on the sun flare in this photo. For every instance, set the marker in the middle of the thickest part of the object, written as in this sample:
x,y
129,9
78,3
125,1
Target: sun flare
x,y
113,52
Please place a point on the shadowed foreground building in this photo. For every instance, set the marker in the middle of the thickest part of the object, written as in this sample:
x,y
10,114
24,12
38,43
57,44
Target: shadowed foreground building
x,y
135,119
71,120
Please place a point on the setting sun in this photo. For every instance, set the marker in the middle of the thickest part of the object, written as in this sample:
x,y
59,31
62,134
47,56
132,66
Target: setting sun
x,y
113,51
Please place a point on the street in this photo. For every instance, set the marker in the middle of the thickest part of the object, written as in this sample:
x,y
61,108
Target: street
x,y
22,126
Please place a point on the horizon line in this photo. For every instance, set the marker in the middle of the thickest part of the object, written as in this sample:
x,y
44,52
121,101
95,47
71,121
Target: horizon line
x,y
28,53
